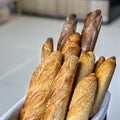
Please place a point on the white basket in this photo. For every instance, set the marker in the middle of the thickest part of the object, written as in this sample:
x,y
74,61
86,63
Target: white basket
x,y
13,113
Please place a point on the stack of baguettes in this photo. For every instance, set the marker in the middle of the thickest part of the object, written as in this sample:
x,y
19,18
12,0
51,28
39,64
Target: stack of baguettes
x,y
69,84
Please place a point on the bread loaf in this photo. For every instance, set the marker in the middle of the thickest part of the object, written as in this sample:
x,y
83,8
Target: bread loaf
x,y
69,27
39,89
99,62
104,74
91,30
61,90
86,65
72,46
83,99
47,49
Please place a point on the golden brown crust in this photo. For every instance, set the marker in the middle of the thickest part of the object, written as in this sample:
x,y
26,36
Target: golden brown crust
x,y
104,74
86,65
40,86
61,90
72,46
47,49
69,27
99,62
83,99
91,30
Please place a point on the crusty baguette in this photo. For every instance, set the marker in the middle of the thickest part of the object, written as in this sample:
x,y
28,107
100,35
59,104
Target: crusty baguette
x,y
72,46
61,90
86,65
99,62
104,74
68,28
47,49
91,16
83,99
39,88
91,30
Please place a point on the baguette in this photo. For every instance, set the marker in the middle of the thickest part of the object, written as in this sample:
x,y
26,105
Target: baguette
x,y
72,46
104,74
86,65
83,99
99,62
91,30
38,92
47,49
61,90
91,16
69,27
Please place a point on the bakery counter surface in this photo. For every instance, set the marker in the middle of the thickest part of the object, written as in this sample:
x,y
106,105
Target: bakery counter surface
x,y
21,40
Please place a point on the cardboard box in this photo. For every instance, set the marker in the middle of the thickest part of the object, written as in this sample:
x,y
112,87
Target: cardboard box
x,y
13,113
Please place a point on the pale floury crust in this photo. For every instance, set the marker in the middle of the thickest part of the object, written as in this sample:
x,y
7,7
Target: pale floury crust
x,y
69,27
90,32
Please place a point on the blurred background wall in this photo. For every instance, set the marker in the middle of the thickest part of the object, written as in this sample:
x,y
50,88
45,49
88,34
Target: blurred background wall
x,y
61,8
